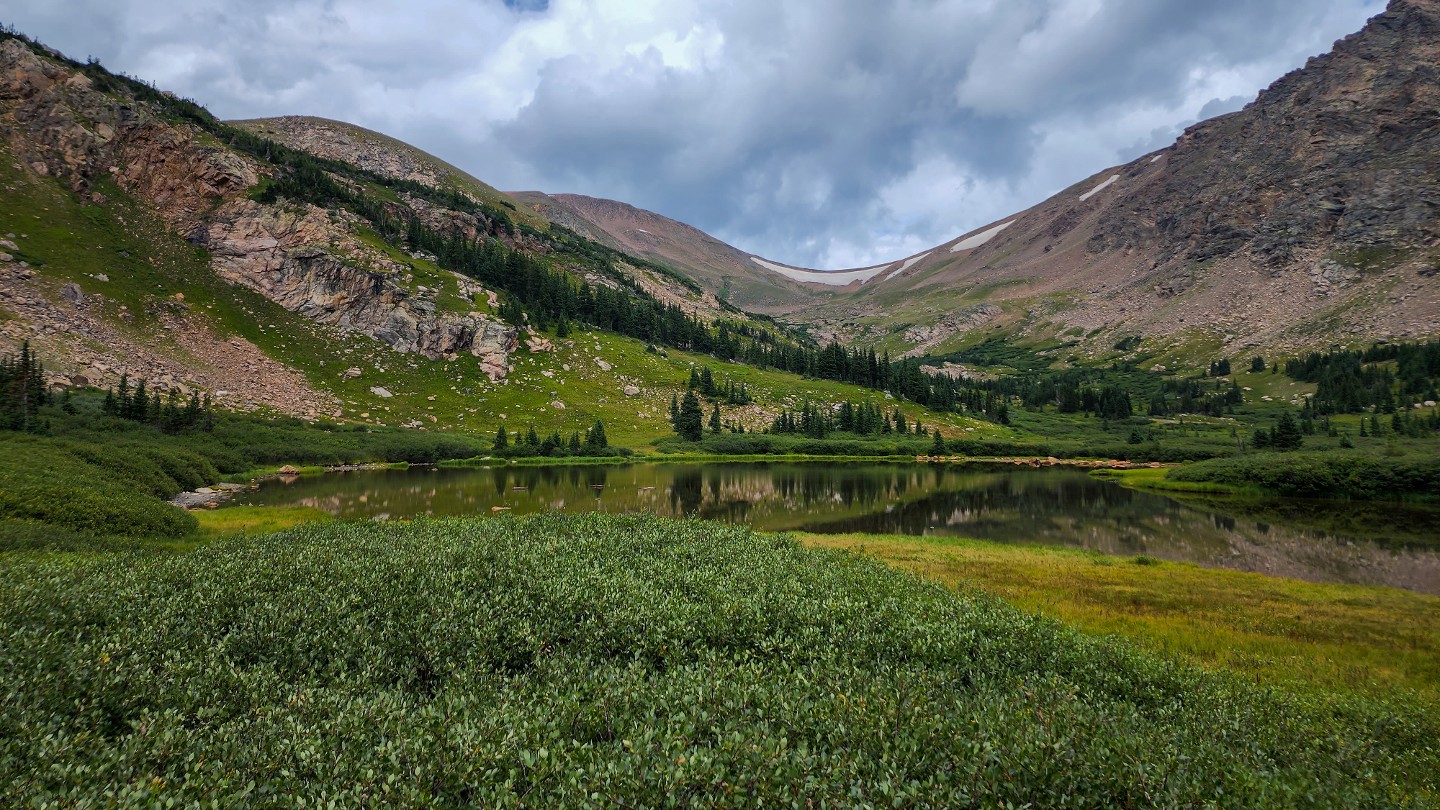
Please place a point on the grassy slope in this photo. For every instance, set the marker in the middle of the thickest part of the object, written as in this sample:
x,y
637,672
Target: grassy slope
x,y
1378,641
71,242
604,660
455,177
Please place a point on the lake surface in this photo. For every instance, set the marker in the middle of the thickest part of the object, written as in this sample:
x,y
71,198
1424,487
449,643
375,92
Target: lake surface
x,y
1320,541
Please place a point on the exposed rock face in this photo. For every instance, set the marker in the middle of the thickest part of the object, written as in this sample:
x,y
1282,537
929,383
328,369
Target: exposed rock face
x,y
961,320
300,256
1344,152
83,348
299,259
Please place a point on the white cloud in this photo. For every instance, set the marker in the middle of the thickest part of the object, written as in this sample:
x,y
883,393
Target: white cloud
x,y
842,134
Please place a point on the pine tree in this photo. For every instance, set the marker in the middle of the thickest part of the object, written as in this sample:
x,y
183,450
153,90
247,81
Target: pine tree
x,y
691,422
595,438
139,403
937,447
502,440
675,412
1286,435
22,390
715,419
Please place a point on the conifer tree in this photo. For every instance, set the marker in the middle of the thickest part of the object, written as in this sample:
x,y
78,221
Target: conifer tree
x,y
1286,435
595,438
690,424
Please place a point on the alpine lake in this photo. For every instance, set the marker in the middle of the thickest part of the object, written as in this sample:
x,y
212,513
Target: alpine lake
x,y
1321,541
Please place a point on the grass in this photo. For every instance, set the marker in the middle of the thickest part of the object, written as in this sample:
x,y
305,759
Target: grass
x,y
233,521
1156,479
602,660
1376,641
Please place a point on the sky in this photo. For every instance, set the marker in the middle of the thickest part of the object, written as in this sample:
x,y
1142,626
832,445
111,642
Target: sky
x,y
832,134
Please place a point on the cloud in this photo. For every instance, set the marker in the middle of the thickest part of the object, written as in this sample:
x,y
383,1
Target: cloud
x,y
832,135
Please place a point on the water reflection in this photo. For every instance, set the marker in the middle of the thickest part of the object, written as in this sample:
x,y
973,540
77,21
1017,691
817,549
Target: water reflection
x,y
1384,544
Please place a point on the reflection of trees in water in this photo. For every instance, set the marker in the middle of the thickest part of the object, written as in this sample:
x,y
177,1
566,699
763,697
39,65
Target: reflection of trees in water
x,y
687,490
1029,506
1052,506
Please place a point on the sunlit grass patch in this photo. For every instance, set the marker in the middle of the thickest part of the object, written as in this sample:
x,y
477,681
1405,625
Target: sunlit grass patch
x,y
1368,639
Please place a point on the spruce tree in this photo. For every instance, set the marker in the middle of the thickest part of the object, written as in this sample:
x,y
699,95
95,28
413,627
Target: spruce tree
x,y
502,440
691,422
1286,435
715,419
595,438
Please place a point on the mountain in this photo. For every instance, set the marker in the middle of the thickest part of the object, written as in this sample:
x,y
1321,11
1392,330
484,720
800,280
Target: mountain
x,y
345,276
1310,216
1307,218
377,153
724,270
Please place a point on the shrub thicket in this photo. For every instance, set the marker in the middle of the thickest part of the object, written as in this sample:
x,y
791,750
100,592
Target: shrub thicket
x,y
1322,475
595,660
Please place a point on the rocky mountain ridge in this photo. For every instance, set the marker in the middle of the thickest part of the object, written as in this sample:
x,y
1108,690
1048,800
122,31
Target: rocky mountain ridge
x,y
723,270
1310,216
60,124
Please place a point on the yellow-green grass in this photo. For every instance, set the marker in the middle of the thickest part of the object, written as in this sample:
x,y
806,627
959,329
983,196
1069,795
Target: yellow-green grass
x,y
1154,478
1382,642
255,520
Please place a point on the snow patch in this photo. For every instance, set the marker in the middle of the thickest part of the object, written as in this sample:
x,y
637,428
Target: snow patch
x,y
971,242
1156,159
909,263
641,230
837,278
1096,190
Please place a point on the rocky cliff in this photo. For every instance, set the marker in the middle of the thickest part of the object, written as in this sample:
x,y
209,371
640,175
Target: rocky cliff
x,y
57,122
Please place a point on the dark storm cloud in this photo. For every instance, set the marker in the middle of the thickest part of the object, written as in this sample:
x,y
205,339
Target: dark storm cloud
x,y
833,134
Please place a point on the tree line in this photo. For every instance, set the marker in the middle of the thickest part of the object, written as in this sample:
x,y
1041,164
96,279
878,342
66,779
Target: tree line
x,y
1356,381
594,442
22,391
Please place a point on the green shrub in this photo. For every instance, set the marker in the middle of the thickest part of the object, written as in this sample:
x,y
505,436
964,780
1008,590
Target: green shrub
x,y
599,660
1322,474
48,481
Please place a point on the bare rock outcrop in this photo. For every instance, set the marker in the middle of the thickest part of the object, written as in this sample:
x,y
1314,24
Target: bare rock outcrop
x,y
300,256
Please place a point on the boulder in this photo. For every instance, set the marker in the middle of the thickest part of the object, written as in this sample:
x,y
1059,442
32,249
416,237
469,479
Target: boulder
x,y
380,392
72,293
631,390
